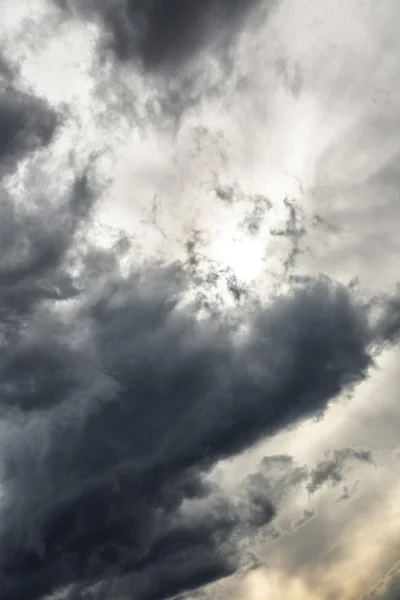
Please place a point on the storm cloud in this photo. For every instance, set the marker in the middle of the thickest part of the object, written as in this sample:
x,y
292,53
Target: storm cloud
x,y
27,122
118,398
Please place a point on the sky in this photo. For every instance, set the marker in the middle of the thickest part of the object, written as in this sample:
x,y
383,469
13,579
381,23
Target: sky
x,y
199,300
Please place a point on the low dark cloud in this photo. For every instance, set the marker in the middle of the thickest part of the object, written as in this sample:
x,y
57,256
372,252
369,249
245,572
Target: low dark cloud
x,y
36,246
27,122
117,399
388,320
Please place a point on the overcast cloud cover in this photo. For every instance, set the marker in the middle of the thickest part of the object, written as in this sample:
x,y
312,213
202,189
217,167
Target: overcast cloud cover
x,y
199,299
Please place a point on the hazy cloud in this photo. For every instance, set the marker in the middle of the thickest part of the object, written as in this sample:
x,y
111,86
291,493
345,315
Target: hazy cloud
x,y
388,588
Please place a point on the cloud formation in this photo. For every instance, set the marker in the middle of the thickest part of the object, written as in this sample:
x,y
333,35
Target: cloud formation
x,y
118,395
388,588
27,122
160,34
160,59
330,470
117,399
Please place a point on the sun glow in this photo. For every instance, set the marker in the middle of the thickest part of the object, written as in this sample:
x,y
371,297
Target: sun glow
x,y
274,585
241,253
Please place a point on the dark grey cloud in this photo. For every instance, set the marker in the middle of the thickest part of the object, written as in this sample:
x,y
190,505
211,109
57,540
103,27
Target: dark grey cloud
x,y
27,122
331,469
36,246
388,320
163,34
118,399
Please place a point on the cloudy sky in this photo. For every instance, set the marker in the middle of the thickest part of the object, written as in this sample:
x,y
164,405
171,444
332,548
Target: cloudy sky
x,y
199,299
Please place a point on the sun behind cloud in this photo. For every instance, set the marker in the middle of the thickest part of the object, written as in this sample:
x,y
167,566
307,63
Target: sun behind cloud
x,y
241,253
